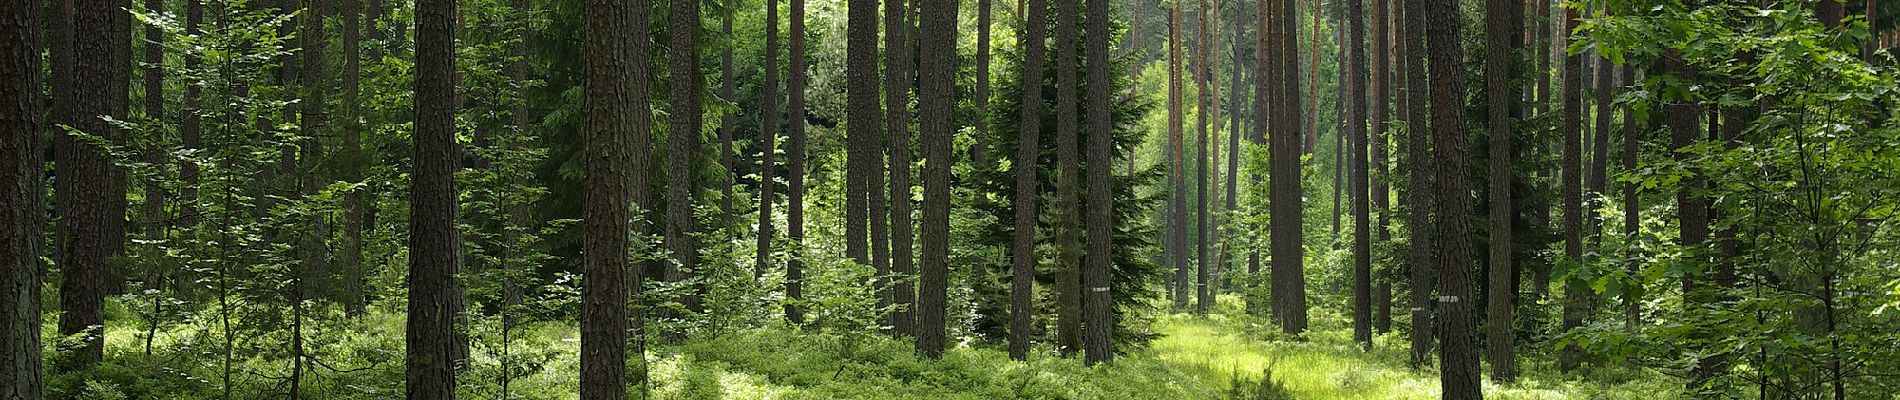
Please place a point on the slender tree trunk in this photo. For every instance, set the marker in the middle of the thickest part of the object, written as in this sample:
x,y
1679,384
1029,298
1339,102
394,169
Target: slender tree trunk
x,y
1288,270
1177,178
311,126
936,95
1202,107
84,188
1873,24
1098,304
1359,182
1023,251
190,127
518,212
727,120
861,120
20,208
1422,172
153,209
795,164
1459,373
1263,98
433,245
1501,19
682,142
1548,65
979,151
898,58
1068,168
1632,220
1684,119
768,132
1575,299
1234,106
354,302
1381,95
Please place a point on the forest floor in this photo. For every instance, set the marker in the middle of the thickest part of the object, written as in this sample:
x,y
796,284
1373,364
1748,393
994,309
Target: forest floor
x,y
1192,357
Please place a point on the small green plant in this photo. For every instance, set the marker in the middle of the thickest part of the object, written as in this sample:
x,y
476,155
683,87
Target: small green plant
x,y
1264,389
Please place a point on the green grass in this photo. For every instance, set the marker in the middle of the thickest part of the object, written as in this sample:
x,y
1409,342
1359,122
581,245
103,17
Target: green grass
x,y
1197,357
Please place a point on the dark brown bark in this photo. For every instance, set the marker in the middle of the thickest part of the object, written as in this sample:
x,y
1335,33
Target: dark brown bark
x,y
1873,23
616,178
1546,55
1684,120
1421,173
189,128
153,209
1098,309
84,188
979,152
728,120
768,133
682,141
433,245
354,302
311,125
1177,226
1830,12
1458,374
21,108
936,95
861,122
1263,98
1501,27
1378,103
1632,221
1289,283
897,63
1576,302
1235,105
795,163
1359,182
1068,207
1203,106
1023,251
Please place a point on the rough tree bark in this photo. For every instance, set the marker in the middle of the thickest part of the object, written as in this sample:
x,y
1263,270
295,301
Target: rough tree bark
x,y
20,196
1203,106
354,210
897,62
1380,86
1098,305
1068,215
1177,226
861,121
1459,373
84,188
1575,299
936,93
1421,173
795,164
433,246
1023,253
1501,25
1359,182
768,133
1288,264
682,142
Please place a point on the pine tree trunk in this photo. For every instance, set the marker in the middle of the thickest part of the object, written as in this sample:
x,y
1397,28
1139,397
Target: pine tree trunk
x,y
1177,179
84,188
1359,182
20,208
861,121
153,209
1422,172
728,120
1068,210
1023,251
189,128
433,246
1098,307
354,302
1576,301
1204,105
311,126
795,164
897,62
1459,372
979,152
682,142
936,93
1288,270
768,134
1234,128
1501,19
1632,219
1684,119
1376,145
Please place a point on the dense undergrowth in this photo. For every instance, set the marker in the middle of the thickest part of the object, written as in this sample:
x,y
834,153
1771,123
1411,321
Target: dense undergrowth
x,y
1219,356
